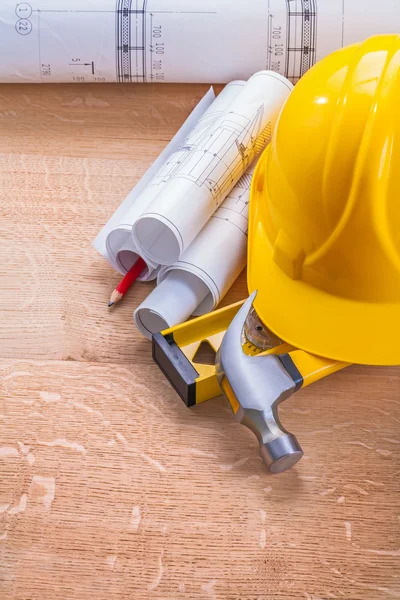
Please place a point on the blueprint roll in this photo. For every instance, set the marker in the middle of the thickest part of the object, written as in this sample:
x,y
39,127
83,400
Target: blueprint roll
x,y
170,302
196,283
115,233
120,247
184,41
198,179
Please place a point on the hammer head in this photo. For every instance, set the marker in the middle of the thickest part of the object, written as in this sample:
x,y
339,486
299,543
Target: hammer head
x,y
254,387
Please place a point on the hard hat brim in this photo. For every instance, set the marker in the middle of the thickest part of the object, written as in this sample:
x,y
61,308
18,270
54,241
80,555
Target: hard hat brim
x,y
310,319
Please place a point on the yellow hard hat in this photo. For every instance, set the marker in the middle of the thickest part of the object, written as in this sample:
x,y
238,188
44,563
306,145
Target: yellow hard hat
x,y
324,237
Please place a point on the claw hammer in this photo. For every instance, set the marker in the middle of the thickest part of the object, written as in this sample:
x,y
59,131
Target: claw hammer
x,y
254,386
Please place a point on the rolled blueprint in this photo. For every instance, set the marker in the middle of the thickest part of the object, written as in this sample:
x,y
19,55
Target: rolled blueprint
x,y
170,303
120,247
114,241
198,179
108,246
200,279
179,40
119,243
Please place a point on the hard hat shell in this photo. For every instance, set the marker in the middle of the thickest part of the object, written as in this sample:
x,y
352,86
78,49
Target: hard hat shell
x,y
324,235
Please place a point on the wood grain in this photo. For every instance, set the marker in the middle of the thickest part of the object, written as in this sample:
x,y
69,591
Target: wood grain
x,y
110,487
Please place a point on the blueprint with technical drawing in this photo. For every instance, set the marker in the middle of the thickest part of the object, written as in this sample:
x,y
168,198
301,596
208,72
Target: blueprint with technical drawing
x,y
218,254
196,226
200,188
197,179
179,40
197,282
114,241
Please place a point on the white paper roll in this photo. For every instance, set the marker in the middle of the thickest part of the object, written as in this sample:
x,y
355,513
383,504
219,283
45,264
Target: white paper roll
x,y
196,284
120,247
198,182
218,254
117,221
172,302
184,41
119,252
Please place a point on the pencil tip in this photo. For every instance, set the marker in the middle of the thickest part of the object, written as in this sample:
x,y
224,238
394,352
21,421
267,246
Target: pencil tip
x,y
110,304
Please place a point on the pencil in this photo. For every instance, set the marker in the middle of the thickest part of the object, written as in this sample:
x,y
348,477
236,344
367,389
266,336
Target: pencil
x,y
127,282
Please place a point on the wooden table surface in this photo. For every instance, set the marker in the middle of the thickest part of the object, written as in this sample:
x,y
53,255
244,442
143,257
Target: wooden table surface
x,y
110,487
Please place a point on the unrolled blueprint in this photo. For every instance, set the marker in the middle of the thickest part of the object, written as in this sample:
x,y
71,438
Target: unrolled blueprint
x,y
179,40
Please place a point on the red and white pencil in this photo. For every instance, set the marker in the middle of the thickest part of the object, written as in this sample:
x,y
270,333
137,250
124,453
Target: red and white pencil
x,y
127,282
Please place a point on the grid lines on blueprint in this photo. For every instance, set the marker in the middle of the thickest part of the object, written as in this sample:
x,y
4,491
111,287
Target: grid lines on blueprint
x,y
216,157
301,37
131,40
